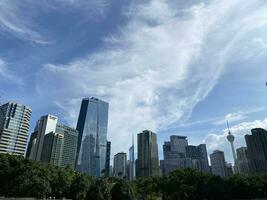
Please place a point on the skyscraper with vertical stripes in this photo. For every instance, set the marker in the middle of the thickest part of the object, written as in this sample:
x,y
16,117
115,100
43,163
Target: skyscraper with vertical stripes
x,y
14,127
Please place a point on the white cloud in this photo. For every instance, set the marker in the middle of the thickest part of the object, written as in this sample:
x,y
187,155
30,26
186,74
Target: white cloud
x,y
14,20
218,140
159,67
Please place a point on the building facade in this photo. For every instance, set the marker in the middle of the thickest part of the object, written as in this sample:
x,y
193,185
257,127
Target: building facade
x,y
107,164
218,164
257,150
131,162
14,127
174,153
53,142
147,154
92,127
242,162
199,157
120,165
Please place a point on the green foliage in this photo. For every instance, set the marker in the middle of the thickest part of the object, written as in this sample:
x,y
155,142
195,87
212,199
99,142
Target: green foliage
x,y
99,191
122,191
26,178
80,186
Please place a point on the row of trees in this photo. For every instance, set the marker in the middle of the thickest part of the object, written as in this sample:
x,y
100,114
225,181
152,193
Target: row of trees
x,y
25,178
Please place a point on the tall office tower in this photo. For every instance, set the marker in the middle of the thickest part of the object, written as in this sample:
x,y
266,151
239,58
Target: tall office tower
x,y
131,162
218,164
242,160
14,127
231,139
107,164
257,150
92,127
147,154
31,144
199,157
45,125
53,142
174,153
120,165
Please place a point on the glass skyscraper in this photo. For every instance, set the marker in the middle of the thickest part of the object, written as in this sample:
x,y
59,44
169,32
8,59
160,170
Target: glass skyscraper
x,y
92,140
14,127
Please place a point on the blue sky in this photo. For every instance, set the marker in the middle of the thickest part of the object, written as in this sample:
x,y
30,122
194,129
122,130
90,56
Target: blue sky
x,y
171,66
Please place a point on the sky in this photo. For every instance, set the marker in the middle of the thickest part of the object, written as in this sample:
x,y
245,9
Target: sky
x,y
175,67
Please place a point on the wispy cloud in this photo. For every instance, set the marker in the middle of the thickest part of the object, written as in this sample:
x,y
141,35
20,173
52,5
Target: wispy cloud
x,y
6,74
160,66
20,18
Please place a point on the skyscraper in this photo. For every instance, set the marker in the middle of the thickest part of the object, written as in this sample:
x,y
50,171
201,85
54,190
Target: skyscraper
x,y
120,165
46,124
53,142
257,150
242,161
231,139
131,162
14,127
107,164
147,154
92,127
218,164
199,157
174,153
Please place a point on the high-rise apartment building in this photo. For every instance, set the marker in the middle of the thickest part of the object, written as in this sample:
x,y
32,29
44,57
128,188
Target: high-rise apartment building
x,y
131,162
53,142
218,164
14,127
147,154
92,141
199,157
257,150
120,165
242,162
107,164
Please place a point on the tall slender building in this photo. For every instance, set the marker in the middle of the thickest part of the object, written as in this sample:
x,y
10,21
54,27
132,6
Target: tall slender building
x,y
120,165
242,160
131,162
147,155
107,164
92,127
257,150
231,139
14,127
218,164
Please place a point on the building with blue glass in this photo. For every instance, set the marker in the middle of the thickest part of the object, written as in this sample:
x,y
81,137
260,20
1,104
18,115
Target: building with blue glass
x,y
14,127
92,140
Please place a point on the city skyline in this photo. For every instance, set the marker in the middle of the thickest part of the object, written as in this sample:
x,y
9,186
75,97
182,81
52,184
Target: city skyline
x,y
173,67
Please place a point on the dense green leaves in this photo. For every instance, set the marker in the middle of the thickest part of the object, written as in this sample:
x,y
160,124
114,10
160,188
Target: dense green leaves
x,y
122,191
25,178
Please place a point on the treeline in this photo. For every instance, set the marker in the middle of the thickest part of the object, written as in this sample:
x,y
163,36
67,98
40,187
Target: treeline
x,y
25,178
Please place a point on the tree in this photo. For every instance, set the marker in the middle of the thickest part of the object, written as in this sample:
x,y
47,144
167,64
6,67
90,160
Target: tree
x,y
80,186
99,191
122,191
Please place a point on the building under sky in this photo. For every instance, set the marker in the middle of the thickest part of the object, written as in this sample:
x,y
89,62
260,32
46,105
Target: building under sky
x,y
14,127
92,141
